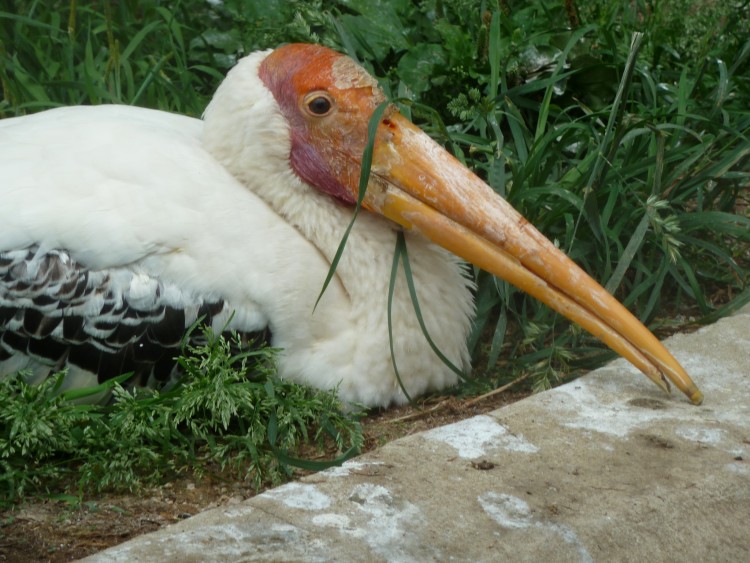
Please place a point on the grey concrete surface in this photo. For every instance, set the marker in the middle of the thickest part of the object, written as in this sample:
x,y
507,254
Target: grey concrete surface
x,y
606,468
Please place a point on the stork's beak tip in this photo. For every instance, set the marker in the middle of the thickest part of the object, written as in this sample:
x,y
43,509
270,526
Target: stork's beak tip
x,y
696,397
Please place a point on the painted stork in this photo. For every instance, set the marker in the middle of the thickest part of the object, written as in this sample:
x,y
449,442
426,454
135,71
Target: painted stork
x,y
119,226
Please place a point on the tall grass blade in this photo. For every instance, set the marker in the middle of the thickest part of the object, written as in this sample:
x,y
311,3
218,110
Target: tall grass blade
x,y
364,178
401,245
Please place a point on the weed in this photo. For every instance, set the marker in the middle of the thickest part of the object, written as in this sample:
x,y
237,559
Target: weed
x,y
228,414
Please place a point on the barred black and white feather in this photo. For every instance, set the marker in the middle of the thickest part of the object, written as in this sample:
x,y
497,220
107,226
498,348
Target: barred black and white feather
x,y
97,324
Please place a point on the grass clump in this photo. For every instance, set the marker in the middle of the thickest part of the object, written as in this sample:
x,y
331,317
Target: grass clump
x,y
229,415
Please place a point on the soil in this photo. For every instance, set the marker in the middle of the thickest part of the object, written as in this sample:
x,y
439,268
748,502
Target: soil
x,y
56,530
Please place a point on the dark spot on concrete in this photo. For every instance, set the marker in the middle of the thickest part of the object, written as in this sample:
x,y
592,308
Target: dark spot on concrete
x,y
657,441
653,404
483,465
738,458
359,499
371,470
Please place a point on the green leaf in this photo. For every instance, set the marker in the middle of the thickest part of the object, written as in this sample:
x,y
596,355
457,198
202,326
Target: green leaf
x,y
419,66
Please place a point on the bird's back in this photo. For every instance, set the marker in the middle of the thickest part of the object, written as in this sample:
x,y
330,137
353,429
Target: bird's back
x,y
93,199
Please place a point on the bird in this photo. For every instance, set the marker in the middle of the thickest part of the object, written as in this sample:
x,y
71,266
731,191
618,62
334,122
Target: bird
x,y
121,227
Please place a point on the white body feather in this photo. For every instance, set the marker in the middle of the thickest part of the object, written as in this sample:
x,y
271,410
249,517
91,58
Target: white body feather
x,y
213,209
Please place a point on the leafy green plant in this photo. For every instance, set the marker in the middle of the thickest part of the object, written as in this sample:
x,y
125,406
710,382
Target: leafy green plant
x,y
228,415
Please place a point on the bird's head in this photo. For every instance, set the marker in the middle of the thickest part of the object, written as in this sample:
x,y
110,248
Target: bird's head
x,y
327,100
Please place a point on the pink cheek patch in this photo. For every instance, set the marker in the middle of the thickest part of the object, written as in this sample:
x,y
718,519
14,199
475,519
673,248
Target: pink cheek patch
x,y
310,166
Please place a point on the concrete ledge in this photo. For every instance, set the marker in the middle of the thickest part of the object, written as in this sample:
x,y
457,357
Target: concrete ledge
x,y
604,468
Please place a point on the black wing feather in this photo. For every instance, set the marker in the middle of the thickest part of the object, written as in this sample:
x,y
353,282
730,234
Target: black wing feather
x,y
56,313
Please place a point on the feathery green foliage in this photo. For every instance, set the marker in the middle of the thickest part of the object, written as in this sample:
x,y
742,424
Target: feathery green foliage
x,y
228,415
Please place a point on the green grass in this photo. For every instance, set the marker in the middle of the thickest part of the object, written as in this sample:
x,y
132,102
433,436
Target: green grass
x,y
633,158
229,417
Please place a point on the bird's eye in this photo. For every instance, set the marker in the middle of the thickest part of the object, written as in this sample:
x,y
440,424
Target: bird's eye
x,y
319,105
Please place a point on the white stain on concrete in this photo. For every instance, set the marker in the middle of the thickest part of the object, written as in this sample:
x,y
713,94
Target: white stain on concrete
x,y
224,542
352,466
514,513
472,437
393,526
583,406
506,510
702,435
238,511
299,495
339,522
738,467
598,403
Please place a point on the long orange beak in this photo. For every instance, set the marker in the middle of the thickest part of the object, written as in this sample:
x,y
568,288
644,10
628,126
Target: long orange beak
x,y
419,185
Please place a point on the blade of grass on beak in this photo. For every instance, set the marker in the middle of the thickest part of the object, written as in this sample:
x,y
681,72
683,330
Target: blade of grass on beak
x,y
364,178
